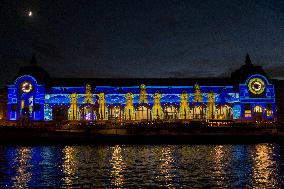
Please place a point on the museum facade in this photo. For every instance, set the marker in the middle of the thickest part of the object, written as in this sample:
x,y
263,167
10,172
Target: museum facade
x,y
247,95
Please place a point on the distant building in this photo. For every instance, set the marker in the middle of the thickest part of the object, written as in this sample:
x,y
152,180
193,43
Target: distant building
x,y
247,95
3,105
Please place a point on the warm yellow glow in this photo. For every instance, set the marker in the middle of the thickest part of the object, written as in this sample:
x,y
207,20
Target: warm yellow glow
x,y
22,104
102,107
263,163
211,106
171,112
247,113
69,165
143,113
197,94
184,109
26,87
224,112
219,165
258,109
157,111
30,13
118,166
129,108
23,169
115,112
167,168
73,110
269,113
88,95
198,112
256,86
143,94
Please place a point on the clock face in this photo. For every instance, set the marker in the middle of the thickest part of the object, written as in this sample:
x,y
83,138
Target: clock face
x,y
26,87
256,86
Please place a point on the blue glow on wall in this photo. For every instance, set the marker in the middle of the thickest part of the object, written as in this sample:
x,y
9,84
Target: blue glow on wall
x,y
236,111
44,99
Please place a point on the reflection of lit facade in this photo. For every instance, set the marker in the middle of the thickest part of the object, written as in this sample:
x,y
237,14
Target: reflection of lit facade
x,y
23,173
247,95
263,167
118,166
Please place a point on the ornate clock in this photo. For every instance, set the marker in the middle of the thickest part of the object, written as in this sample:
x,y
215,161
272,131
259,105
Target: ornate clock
x,y
26,87
256,86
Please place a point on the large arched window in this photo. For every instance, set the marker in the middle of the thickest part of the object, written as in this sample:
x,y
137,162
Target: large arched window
x,y
115,112
143,112
224,112
87,112
26,96
170,112
199,112
257,109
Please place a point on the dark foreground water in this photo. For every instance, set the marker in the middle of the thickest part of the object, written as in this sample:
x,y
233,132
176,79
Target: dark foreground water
x,y
133,166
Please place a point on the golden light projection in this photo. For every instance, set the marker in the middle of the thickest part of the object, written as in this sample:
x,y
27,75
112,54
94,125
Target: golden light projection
x,y
256,86
129,108
143,94
115,112
257,109
224,112
73,110
26,87
142,113
118,167
211,106
102,106
171,112
23,169
88,95
157,111
184,109
86,111
197,93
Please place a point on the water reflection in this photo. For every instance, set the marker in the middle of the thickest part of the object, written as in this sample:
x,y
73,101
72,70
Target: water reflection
x,y
167,168
23,168
142,166
118,167
69,166
264,168
219,166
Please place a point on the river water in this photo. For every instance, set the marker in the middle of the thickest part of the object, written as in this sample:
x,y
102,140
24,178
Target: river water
x,y
134,166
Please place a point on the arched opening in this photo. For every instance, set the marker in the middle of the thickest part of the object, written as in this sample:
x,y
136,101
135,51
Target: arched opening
x,y
199,112
143,112
257,109
115,112
27,102
170,112
88,113
224,112
257,113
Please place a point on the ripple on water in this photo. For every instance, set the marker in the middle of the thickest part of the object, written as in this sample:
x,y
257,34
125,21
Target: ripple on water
x,y
130,166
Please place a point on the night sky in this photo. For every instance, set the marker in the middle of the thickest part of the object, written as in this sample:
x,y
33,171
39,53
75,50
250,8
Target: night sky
x,y
135,38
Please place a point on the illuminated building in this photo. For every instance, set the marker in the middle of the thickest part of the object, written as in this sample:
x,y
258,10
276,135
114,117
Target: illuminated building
x,y
247,95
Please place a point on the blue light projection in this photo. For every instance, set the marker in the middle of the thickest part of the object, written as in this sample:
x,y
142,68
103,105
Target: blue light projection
x,y
40,101
236,111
